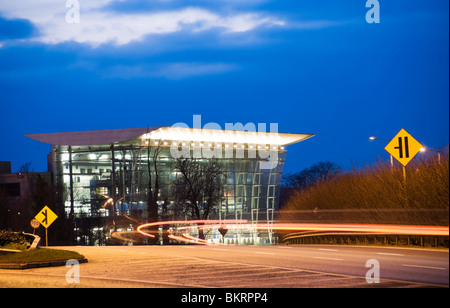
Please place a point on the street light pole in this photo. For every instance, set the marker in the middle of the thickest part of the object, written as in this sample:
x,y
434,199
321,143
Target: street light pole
x,y
391,157
425,149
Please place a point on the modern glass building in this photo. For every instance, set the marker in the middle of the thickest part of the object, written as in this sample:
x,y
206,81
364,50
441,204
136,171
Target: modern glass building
x,y
105,177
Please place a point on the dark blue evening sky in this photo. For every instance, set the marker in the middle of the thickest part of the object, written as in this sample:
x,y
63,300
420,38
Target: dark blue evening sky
x,y
312,66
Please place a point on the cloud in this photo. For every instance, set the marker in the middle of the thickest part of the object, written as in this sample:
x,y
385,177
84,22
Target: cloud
x,y
173,71
98,25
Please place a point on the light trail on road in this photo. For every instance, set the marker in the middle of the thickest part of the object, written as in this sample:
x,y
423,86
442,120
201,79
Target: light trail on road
x,y
235,225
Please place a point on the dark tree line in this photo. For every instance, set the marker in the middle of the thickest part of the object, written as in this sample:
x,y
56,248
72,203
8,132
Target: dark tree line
x,y
317,173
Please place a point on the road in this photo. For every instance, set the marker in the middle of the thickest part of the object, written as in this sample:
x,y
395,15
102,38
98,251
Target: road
x,y
295,266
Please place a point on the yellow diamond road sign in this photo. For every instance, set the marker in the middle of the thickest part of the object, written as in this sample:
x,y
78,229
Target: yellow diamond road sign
x,y
403,147
46,217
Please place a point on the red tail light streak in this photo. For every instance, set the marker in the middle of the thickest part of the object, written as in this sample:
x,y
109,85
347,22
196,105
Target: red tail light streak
x,y
182,228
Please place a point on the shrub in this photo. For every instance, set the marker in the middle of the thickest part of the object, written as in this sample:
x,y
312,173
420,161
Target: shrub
x,y
8,238
379,194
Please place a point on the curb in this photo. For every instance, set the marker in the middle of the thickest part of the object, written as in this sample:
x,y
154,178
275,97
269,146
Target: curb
x,y
22,266
9,250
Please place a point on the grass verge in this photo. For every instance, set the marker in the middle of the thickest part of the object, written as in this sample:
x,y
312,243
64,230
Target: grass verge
x,y
40,255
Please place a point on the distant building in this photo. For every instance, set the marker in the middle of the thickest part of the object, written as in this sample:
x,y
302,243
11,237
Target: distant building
x,y
104,174
16,196
5,167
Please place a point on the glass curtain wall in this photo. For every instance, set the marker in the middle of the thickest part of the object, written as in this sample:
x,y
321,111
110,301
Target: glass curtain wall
x,y
105,183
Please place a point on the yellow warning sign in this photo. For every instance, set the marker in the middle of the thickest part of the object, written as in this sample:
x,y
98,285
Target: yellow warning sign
x,y
403,147
46,216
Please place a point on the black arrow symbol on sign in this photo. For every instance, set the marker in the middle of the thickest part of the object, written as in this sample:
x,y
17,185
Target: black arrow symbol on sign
x,y
45,221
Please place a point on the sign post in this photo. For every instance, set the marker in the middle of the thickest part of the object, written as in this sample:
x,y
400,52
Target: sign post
x,y
35,224
223,230
46,217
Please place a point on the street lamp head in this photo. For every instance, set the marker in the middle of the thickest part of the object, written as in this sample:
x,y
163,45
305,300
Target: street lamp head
x,y
423,149
376,138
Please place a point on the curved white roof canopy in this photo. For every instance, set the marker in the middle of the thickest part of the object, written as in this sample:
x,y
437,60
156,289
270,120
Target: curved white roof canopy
x,y
224,136
168,133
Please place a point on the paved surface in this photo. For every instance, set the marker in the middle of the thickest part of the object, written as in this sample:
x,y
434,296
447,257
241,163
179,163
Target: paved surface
x,y
241,267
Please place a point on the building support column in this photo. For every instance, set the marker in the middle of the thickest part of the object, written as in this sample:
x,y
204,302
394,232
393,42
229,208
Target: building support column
x,y
72,201
113,177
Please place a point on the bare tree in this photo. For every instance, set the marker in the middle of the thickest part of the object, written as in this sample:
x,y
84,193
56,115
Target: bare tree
x,y
26,167
153,153
198,186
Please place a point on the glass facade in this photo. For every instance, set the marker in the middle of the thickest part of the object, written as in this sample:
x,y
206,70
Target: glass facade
x,y
101,179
